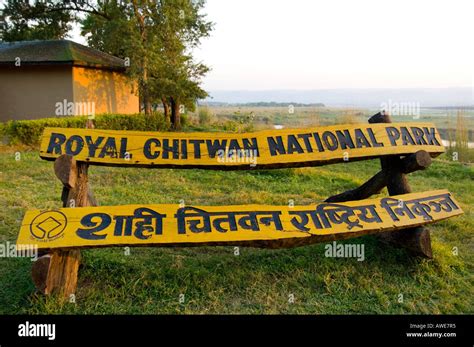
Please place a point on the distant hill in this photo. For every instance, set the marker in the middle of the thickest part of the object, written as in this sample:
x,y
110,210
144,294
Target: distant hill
x,y
368,98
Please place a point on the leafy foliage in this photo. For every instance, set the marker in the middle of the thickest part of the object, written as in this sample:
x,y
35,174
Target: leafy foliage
x,y
157,37
29,132
39,20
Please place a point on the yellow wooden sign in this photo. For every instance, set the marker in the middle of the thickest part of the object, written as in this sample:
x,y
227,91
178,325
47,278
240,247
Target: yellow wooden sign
x,y
253,225
269,148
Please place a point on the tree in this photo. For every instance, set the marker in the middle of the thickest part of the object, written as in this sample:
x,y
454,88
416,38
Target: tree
x,y
181,84
178,81
158,37
35,20
125,32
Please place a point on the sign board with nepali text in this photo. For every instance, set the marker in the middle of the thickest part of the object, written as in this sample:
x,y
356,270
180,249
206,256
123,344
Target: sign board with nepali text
x,y
253,225
263,149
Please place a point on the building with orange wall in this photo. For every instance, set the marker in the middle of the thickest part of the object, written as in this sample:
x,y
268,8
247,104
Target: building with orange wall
x,y
40,79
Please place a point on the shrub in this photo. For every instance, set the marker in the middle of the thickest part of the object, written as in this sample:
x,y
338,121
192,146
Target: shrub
x,y
29,132
185,121
348,117
458,139
204,115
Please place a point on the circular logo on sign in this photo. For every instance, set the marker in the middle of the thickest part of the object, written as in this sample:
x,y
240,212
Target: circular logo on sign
x,y
48,225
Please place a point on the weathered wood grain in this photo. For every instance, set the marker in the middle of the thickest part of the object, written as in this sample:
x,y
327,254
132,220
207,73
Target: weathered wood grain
x,y
65,168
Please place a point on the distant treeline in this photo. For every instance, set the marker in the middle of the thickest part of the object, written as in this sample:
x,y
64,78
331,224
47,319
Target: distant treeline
x,y
451,107
446,134
261,104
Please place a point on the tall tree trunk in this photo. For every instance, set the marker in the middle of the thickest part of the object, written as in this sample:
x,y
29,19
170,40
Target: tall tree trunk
x,y
175,116
146,96
144,77
172,114
166,110
145,91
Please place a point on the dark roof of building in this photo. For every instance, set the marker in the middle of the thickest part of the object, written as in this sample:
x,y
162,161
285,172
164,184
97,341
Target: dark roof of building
x,y
63,52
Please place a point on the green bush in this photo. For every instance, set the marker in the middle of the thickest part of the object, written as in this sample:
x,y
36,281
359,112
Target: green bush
x,y
204,115
185,122
29,132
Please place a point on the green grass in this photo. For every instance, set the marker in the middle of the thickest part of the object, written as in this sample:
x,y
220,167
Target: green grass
x,y
213,279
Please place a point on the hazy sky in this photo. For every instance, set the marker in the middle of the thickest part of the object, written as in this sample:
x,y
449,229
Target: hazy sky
x,y
308,44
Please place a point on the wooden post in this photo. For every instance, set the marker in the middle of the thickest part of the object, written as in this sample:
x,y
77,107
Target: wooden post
x,y
56,272
411,163
416,240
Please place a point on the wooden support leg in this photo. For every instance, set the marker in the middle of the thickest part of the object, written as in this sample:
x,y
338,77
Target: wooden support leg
x,y
411,163
416,240
62,272
57,271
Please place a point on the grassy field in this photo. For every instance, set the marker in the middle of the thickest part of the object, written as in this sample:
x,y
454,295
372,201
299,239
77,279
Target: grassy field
x,y
264,117
213,279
